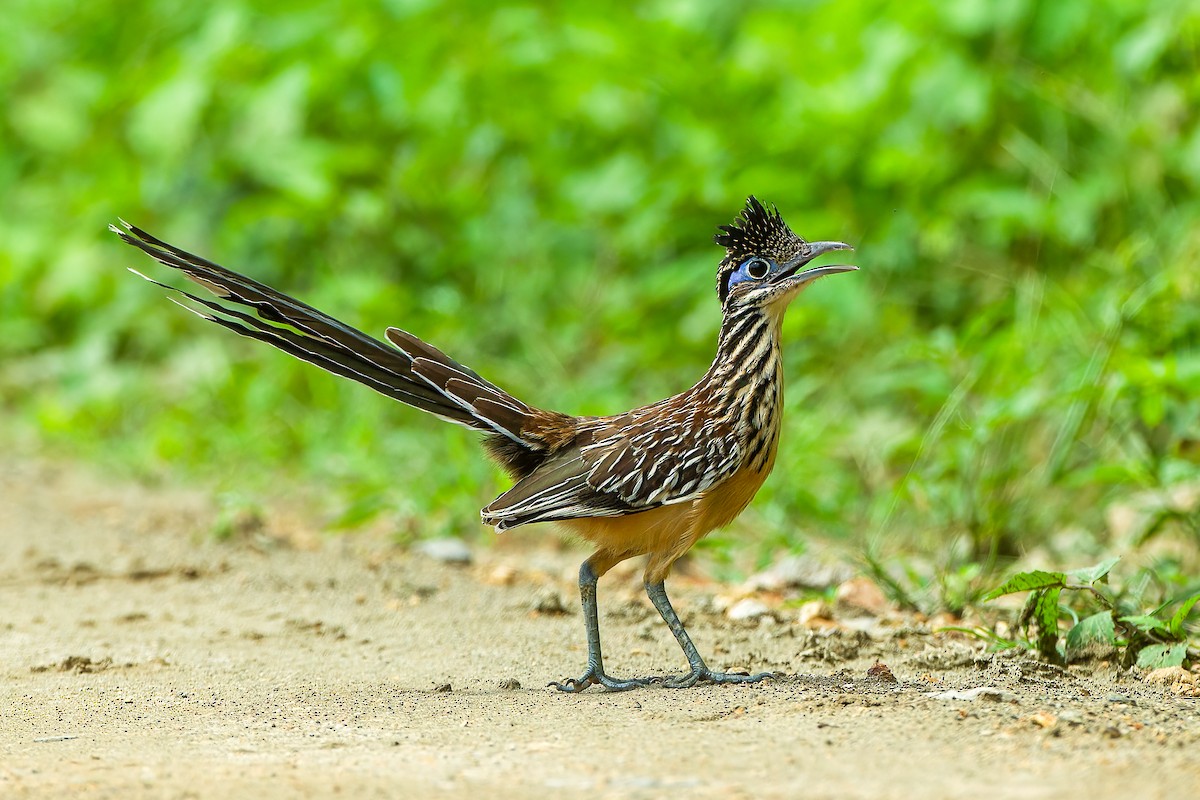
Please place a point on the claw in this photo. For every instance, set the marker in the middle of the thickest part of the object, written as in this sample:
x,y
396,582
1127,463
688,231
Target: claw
x,y
595,677
572,685
706,675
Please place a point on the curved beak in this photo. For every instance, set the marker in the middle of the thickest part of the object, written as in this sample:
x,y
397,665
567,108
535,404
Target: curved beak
x,y
815,249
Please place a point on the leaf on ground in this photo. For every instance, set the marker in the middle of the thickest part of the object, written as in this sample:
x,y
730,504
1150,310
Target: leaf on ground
x,y
1157,656
1096,629
1093,574
1028,581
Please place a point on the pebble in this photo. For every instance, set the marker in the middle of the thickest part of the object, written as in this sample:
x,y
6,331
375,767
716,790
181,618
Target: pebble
x,y
971,695
1044,719
549,601
1170,676
881,672
862,594
448,551
502,575
798,572
747,608
814,611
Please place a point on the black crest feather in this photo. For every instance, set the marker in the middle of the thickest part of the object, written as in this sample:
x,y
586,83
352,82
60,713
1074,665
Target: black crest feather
x,y
756,227
759,231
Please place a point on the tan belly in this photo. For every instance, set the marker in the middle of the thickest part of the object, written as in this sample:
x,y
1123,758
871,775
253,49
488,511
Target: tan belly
x,y
650,531
723,503
667,532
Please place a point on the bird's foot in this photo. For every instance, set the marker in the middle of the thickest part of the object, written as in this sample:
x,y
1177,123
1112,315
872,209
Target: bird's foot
x,y
706,675
596,677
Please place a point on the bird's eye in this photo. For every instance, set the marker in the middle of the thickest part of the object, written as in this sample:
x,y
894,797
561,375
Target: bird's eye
x,y
757,268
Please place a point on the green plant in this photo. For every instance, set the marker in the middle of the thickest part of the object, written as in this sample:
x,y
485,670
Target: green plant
x,y
1156,638
1021,179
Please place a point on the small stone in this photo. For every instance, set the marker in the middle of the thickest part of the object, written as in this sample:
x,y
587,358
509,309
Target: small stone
x,y
798,572
509,684
1071,717
549,601
448,551
862,594
971,695
881,672
814,611
501,575
1170,676
1043,719
747,609
720,603
1117,697
443,687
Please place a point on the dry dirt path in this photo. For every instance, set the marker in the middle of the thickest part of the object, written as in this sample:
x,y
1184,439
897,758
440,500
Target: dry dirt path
x,y
138,657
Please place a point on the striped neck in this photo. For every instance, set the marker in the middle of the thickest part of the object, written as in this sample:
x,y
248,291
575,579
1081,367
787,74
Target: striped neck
x,y
744,386
747,346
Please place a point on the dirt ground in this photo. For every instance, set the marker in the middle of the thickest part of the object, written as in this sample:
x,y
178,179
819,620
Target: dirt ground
x,y
140,657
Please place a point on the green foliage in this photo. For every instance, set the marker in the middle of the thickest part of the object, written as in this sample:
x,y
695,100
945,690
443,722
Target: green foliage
x,y
533,189
1150,640
1155,656
237,516
1036,580
1089,632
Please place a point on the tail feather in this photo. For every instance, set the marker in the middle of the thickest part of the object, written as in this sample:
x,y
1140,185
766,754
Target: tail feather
x,y
481,398
326,356
500,411
415,348
269,303
416,374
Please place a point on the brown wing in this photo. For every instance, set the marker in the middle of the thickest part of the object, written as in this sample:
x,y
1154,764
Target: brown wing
x,y
619,465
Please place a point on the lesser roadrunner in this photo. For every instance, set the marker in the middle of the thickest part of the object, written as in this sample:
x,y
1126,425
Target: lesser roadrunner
x,y
651,481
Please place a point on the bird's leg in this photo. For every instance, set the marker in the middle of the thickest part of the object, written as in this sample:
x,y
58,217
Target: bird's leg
x,y
595,664
700,673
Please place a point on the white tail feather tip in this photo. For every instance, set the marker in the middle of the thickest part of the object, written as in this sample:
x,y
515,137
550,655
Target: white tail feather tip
x,y
199,314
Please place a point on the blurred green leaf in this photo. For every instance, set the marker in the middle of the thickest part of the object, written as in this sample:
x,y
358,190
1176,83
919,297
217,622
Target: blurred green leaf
x,y
1157,656
1180,616
1090,575
164,123
1092,630
1147,623
1028,581
1045,616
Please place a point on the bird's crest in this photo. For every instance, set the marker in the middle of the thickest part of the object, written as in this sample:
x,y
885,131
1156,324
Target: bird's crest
x,y
759,231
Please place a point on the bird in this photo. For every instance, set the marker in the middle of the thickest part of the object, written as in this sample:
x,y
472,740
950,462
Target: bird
x,y
647,482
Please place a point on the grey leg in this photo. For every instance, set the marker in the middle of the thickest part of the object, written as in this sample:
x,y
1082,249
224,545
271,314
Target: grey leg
x,y
595,664
657,592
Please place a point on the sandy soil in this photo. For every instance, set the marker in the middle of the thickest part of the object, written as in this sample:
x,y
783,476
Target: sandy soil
x,y
139,657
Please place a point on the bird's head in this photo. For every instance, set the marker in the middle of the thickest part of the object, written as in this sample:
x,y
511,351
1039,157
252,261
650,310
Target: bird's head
x,y
764,260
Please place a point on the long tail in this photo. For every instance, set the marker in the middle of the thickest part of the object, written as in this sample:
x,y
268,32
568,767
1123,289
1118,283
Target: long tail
x,y
413,372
